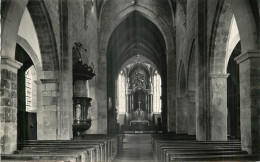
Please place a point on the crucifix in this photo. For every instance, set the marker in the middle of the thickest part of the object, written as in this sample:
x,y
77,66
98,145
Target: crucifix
x,y
139,111
139,105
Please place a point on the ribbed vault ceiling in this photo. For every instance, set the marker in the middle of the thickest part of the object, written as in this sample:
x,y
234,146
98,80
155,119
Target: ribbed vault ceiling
x,y
137,35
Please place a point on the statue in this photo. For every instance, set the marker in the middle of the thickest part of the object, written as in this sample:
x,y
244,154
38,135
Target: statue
x,y
78,111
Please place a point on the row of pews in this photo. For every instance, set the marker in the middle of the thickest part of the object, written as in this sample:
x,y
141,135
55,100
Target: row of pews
x,y
168,148
92,148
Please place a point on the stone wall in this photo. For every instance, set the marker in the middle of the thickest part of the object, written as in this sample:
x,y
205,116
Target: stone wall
x,y
52,7
47,113
8,111
83,29
186,38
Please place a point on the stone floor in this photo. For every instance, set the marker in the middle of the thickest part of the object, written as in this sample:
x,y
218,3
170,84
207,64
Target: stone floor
x,y
136,148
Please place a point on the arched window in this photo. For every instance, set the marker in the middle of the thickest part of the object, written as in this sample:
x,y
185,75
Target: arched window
x,y
121,93
157,92
30,90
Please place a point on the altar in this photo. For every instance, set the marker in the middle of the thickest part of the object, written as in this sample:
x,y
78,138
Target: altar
x,y
139,121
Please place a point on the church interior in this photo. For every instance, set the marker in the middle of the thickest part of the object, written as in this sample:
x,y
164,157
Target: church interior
x,y
130,80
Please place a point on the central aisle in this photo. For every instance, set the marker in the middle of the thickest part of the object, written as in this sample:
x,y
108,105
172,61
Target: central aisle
x,y
137,147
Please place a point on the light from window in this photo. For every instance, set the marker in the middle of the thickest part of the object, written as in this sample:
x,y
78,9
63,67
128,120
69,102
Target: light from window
x,y
157,92
121,93
30,90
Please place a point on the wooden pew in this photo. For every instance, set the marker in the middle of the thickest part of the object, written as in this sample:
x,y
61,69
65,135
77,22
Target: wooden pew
x,y
86,152
170,148
99,152
161,145
34,157
92,148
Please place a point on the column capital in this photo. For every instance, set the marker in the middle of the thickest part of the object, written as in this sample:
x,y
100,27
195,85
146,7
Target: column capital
x,y
10,64
218,75
248,55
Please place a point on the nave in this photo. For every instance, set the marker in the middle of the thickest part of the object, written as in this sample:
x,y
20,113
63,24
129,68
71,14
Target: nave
x,y
103,70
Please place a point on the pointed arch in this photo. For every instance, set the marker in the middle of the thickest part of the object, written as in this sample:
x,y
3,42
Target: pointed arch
x,y
182,80
191,84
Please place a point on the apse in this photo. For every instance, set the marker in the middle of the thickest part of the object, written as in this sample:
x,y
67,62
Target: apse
x,y
138,96
135,56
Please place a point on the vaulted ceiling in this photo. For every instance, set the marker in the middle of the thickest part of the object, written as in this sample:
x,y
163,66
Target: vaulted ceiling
x,y
137,35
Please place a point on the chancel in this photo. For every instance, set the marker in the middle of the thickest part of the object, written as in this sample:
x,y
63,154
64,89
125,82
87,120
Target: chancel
x,y
130,80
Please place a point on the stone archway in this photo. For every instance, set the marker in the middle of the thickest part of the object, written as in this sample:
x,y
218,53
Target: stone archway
x,y
45,34
104,35
218,76
13,11
182,80
246,20
27,47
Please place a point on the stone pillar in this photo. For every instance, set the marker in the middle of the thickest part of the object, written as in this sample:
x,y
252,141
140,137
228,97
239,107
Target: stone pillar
x,y
171,88
151,103
129,104
47,114
126,104
249,72
218,107
8,111
132,103
191,110
146,103
181,115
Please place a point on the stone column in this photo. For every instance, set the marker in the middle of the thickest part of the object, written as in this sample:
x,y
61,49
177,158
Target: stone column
x,y
146,103
171,88
47,114
191,110
129,103
151,103
218,107
132,103
126,104
8,111
181,115
249,72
